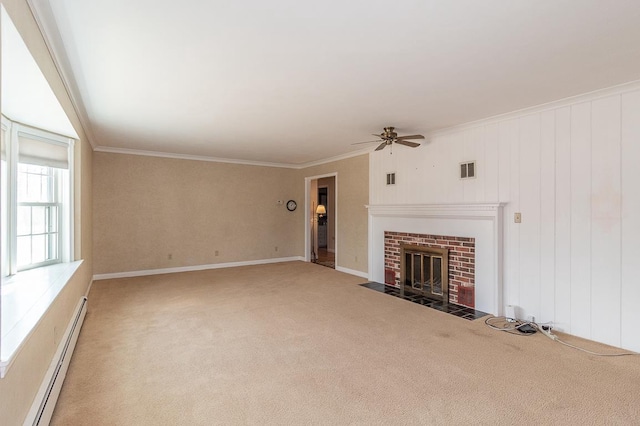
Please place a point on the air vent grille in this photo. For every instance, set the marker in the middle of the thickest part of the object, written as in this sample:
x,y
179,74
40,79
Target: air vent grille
x,y
468,170
391,178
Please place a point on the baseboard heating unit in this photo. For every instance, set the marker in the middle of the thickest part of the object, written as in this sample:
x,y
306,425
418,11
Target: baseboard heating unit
x,y
45,401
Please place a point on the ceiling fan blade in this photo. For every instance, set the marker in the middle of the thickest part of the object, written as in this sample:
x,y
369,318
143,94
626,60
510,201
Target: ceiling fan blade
x,y
411,137
358,143
381,146
407,143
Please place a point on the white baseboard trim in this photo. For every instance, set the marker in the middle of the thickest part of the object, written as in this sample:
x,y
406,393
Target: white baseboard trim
x,y
353,272
45,401
86,294
143,273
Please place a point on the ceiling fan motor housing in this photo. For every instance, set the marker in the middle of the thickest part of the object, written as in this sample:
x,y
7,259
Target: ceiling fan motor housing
x,y
389,133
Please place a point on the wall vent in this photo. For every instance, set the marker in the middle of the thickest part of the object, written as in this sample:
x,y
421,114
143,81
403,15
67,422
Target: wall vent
x,y
468,170
391,178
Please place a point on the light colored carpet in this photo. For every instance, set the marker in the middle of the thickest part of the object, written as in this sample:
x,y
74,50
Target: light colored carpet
x,y
297,343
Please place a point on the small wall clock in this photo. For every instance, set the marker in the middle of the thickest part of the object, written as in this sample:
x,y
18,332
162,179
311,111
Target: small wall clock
x,y
291,205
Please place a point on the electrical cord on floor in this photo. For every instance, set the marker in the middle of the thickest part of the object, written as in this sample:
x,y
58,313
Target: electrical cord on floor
x,y
594,353
512,326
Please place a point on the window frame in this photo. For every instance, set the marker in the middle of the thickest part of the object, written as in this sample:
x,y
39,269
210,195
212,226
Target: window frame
x,y
63,196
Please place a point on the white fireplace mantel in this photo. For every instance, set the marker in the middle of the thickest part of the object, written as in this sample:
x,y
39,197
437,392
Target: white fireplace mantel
x,y
480,221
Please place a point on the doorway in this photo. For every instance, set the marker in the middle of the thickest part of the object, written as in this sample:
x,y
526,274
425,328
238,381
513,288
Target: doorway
x,y
326,228
322,218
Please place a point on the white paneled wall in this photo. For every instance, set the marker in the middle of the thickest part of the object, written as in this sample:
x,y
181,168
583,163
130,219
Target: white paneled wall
x,y
573,170
630,220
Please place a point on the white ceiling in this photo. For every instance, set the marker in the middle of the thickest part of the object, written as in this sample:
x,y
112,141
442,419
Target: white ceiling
x,y
286,81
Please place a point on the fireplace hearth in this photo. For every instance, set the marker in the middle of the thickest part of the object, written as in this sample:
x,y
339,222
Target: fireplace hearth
x,y
449,308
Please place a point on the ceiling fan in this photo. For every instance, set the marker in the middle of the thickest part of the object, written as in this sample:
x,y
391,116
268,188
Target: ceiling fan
x,y
388,137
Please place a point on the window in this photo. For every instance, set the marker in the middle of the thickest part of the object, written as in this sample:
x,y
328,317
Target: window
x,y
36,198
38,213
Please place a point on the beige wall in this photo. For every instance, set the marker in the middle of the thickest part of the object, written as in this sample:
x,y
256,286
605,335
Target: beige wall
x,y
19,387
147,208
353,195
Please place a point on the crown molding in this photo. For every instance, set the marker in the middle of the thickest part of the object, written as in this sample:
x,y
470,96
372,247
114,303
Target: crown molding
x,y
560,103
173,155
43,15
176,156
334,158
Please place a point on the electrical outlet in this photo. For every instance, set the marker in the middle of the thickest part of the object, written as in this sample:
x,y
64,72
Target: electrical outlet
x,y
170,256
510,313
217,252
276,248
517,217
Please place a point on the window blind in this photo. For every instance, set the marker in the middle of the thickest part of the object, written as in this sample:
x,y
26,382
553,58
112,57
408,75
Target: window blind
x,y
42,152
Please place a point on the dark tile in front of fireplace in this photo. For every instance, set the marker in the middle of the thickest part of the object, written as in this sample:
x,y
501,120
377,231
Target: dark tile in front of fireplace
x,y
450,308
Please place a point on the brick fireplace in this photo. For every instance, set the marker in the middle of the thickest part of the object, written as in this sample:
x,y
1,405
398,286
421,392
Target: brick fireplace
x,y
461,261
477,223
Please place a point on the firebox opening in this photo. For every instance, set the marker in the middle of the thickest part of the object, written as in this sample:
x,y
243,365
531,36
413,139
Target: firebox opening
x,y
424,271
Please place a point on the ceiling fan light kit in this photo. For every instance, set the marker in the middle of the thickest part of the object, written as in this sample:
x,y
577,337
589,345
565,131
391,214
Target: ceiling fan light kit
x,y
389,137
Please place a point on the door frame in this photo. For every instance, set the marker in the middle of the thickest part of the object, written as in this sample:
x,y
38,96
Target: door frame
x,y
308,214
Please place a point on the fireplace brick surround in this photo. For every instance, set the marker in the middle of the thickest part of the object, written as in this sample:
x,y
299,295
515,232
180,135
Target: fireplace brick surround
x,y
461,261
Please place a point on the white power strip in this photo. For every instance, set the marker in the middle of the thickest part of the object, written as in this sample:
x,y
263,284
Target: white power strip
x,y
548,333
